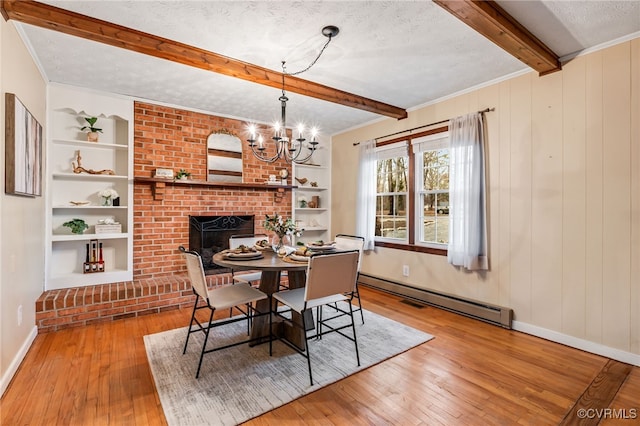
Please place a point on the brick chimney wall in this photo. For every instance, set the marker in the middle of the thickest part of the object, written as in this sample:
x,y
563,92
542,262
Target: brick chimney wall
x,y
171,138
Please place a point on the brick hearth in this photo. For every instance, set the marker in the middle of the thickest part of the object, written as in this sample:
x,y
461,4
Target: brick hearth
x,y
75,307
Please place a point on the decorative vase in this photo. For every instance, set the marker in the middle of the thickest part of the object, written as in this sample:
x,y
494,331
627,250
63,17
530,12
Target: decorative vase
x,y
107,201
278,243
92,136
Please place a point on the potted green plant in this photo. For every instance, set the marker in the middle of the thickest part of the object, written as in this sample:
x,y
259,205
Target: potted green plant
x,y
78,226
92,134
182,174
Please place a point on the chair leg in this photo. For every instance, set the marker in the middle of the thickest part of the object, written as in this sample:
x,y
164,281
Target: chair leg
x,y
318,322
359,303
193,314
271,311
204,344
355,339
306,347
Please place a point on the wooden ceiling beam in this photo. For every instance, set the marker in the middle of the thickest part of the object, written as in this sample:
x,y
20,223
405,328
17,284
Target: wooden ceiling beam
x,y
61,20
490,20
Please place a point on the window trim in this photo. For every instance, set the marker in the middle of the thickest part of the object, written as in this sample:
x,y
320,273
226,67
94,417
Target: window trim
x,y
397,147
411,245
418,165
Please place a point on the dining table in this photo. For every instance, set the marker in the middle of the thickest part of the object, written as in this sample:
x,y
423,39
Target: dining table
x,y
272,266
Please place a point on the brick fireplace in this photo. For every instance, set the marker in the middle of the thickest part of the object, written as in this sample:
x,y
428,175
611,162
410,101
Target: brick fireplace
x,y
166,137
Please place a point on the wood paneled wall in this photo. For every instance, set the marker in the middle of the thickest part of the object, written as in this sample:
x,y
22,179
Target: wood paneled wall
x,y
564,199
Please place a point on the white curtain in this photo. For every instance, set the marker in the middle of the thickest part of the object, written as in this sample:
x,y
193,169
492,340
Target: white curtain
x,y
467,193
366,197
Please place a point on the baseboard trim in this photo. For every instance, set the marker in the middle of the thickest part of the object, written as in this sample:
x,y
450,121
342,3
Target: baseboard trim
x,y
486,312
575,342
17,360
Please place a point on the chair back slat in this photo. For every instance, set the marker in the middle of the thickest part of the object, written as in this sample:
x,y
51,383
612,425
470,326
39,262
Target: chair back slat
x,y
196,273
350,242
329,274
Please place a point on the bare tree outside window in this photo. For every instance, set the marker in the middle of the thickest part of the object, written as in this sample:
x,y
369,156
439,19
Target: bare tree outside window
x,y
434,196
391,199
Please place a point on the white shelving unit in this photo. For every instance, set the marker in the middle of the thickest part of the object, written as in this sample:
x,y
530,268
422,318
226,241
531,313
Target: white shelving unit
x,y
114,151
315,221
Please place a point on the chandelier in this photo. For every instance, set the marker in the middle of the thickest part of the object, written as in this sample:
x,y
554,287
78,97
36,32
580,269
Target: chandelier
x,y
289,149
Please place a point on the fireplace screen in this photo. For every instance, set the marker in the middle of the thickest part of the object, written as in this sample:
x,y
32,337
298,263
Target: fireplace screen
x,y
209,235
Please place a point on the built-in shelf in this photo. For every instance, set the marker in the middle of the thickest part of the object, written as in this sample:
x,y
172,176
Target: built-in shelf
x,y
80,144
311,188
309,209
316,221
312,166
87,176
81,237
68,149
159,183
86,206
314,228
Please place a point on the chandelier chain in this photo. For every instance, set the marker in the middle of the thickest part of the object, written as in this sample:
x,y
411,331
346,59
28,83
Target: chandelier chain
x,y
311,64
289,149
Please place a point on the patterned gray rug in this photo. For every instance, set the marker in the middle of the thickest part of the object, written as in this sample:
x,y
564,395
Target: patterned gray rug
x,y
242,382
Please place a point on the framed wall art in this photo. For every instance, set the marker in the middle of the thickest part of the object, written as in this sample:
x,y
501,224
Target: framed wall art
x,y
23,150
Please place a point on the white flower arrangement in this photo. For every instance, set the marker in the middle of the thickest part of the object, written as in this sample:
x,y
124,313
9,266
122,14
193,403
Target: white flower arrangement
x,y
281,226
108,193
302,201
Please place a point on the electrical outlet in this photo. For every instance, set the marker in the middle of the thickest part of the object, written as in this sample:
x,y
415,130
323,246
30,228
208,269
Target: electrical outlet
x,y
20,315
405,270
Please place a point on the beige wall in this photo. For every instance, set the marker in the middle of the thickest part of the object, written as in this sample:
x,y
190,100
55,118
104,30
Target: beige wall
x,y
22,218
564,199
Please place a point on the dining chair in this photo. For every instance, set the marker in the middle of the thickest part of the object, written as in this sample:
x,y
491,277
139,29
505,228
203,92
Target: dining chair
x,y
218,298
352,242
249,240
330,279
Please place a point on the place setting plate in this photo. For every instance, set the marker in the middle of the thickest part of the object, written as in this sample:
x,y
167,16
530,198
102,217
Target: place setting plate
x,y
243,256
296,258
320,246
299,258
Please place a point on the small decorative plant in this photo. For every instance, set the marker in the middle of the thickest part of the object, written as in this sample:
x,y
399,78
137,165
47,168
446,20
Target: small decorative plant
x,y
78,226
92,134
182,174
91,127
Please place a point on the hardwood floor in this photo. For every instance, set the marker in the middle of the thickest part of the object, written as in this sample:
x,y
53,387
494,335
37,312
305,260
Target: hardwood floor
x,y
472,373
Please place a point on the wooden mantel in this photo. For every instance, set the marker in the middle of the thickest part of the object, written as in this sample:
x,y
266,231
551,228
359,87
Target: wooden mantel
x,y
158,185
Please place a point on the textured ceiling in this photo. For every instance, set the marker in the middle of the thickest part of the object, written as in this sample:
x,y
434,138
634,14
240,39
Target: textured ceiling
x,y
404,53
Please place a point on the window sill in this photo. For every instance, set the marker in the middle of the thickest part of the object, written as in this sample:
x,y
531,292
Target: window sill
x,y
412,247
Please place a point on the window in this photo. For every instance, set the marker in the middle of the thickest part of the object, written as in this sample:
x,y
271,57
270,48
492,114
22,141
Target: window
x,y
392,209
412,193
431,155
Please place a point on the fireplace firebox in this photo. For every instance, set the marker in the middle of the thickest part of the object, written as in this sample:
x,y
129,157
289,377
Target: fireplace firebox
x,y
209,235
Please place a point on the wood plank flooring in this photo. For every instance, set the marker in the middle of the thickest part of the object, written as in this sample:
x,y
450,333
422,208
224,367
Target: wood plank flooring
x,y
472,373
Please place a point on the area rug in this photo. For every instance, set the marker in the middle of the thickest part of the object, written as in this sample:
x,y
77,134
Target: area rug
x,y
243,382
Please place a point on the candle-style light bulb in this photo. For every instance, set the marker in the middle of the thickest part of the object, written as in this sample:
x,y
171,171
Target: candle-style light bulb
x,y
252,130
260,142
314,133
300,130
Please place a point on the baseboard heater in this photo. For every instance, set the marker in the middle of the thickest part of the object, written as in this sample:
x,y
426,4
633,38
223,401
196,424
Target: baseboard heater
x,y
492,314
